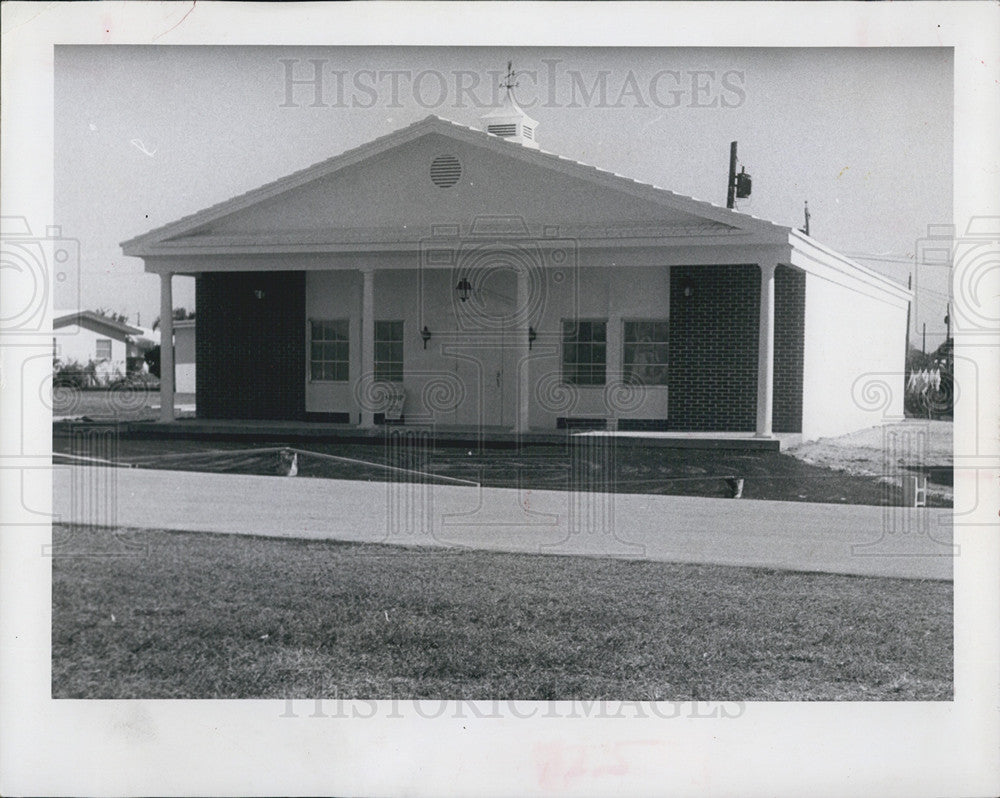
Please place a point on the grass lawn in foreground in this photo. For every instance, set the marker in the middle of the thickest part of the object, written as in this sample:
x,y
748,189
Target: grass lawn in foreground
x,y
193,615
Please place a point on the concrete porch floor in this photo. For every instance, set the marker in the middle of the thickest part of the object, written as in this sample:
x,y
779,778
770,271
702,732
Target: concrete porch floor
x,y
486,436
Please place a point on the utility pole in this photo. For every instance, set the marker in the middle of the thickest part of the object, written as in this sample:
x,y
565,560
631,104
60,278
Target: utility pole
x,y
909,302
923,345
731,193
947,321
806,228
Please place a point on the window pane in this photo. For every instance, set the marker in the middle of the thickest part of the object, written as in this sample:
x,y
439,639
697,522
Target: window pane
x,y
329,348
389,350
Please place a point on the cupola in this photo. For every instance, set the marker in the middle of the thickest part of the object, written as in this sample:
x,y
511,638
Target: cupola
x,y
509,121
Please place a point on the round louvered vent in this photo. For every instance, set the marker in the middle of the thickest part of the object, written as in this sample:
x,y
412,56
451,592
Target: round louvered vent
x,y
445,171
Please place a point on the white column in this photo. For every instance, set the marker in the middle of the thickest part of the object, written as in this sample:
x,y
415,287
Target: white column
x,y
522,353
166,348
613,360
367,340
765,352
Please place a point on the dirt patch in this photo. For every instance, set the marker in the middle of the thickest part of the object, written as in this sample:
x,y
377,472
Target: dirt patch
x,y
890,452
611,469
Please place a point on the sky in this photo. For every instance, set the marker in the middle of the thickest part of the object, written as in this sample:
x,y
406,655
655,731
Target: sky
x,y
147,134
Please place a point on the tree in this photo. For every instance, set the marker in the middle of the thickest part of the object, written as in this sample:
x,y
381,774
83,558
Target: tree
x,y
180,314
113,315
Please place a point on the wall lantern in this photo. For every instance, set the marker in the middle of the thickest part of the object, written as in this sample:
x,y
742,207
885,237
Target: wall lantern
x,y
464,288
687,287
532,335
426,335
259,293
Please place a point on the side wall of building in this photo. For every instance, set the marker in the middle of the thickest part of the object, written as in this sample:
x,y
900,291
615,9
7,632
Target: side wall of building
x,y
854,357
185,369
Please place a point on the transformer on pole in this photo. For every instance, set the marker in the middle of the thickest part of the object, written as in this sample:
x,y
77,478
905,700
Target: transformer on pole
x,y
739,185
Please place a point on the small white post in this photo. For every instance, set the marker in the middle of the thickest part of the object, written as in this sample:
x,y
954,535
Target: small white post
x,y
765,353
166,348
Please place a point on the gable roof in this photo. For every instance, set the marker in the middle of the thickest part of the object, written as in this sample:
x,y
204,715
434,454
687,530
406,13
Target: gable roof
x,y
90,319
140,245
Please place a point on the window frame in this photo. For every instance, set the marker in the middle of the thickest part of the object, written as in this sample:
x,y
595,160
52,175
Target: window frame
x,y
98,342
381,363
574,379
346,361
626,374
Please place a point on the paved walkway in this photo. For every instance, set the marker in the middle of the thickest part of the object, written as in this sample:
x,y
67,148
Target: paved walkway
x,y
847,539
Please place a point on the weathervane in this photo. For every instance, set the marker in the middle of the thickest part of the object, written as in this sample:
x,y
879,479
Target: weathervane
x,y
510,82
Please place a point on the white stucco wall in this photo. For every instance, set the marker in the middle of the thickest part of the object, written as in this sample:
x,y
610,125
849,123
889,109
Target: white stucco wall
x,y
854,343
185,378
468,372
185,372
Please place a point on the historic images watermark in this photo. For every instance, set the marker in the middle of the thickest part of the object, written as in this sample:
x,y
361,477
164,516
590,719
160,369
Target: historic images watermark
x,y
394,707
552,83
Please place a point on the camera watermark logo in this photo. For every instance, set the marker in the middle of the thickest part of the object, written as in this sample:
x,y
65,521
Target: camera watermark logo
x,y
36,270
971,260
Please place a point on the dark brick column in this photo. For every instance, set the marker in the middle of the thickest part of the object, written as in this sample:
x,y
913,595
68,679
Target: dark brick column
x,y
712,374
251,351
789,345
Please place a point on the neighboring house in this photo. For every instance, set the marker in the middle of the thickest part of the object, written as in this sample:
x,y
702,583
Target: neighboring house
x,y
485,282
86,336
184,356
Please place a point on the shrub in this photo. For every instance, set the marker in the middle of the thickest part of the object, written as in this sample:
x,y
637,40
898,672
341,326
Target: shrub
x,y
73,374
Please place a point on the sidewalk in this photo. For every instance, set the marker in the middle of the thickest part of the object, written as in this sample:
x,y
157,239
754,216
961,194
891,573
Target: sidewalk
x,y
846,539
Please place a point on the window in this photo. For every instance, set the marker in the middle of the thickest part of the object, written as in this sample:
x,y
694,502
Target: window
x,y
644,359
584,352
389,351
329,351
103,349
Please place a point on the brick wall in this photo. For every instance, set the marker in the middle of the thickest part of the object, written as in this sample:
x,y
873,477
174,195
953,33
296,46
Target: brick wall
x,y
789,338
712,372
251,352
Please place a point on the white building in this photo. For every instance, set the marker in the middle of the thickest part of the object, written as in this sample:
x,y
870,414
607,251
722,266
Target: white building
x,y
85,336
488,283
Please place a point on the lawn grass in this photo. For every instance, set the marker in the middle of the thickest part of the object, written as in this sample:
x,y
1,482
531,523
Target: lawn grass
x,y
133,402
192,615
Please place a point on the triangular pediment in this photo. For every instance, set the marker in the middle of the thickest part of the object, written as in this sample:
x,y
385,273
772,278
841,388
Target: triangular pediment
x,y
399,188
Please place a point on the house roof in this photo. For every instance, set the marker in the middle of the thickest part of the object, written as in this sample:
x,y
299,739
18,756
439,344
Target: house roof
x,y
90,319
140,245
